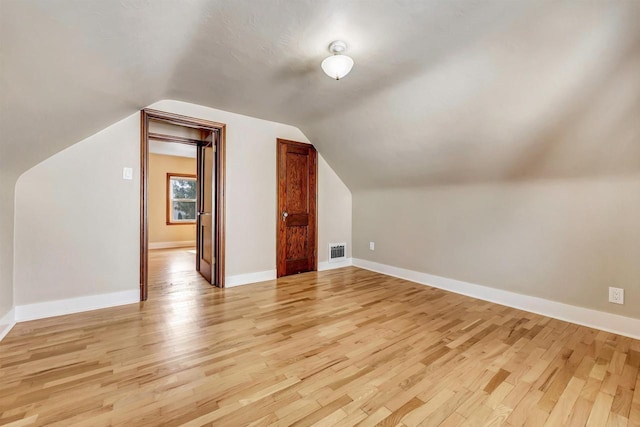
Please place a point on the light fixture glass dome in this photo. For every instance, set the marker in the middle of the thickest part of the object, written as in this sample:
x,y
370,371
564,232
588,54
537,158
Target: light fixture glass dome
x,y
337,65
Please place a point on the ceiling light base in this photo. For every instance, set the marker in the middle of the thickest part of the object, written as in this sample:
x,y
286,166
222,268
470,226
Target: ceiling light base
x,y
337,47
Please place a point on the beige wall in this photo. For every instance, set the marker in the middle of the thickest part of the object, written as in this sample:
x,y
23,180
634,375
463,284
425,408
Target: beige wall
x,y
159,166
252,193
334,211
562,240
6,246
88,241
77,222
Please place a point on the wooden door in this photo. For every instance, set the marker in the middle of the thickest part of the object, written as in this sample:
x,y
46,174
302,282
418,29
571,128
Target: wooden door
x,y
297,191
205,253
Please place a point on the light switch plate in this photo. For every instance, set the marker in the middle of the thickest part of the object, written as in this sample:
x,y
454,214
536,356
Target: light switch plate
x,y
127,173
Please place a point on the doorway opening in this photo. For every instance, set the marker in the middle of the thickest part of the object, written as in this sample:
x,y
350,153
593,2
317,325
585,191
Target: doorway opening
x,y
182,195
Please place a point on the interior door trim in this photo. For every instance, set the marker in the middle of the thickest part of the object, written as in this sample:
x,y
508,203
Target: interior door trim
x,y
146,115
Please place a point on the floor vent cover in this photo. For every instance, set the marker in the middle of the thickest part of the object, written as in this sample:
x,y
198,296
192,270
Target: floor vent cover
x,y
337,252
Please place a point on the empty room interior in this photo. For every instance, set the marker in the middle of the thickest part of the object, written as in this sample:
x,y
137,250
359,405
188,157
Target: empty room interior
x,y
327,213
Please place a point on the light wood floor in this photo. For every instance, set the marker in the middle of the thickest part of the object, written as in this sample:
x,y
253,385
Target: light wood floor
x,y
343,347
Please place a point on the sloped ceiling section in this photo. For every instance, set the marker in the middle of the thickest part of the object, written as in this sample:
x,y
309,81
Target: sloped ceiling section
x,y
441,92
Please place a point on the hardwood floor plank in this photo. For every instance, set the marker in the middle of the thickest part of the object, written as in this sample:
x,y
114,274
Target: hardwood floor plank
x,y
342,347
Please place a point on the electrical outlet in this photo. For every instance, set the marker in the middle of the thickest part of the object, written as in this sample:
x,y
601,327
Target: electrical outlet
x,y
372,246
616,295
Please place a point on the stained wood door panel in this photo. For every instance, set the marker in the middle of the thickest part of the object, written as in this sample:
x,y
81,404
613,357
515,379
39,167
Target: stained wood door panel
x,y
206,183
297,220
297,243
206,252
297,197
297,192
297,250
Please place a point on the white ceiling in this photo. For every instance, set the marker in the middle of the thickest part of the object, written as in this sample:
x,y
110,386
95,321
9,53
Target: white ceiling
x,y
172,149
441,91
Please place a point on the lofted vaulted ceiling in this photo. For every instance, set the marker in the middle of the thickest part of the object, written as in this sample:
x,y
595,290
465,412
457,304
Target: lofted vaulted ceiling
x,y
441,91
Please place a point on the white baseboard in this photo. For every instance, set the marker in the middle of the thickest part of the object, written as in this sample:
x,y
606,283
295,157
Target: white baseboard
x,y
7,322
245,279
166,245
41,310
325,265
608,322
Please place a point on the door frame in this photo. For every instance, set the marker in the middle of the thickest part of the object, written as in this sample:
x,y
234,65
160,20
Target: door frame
x,y
280,262
146,115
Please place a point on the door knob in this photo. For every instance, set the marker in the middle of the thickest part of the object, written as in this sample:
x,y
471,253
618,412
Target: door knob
x,y
284,216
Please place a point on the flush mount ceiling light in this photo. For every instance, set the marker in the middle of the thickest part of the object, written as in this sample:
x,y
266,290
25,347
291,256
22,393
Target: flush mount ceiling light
x,y
337,65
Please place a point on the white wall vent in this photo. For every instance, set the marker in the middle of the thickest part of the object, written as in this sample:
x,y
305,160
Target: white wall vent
x,y
337,252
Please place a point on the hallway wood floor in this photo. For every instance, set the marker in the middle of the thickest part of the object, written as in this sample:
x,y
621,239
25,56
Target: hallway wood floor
x,y
336,348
